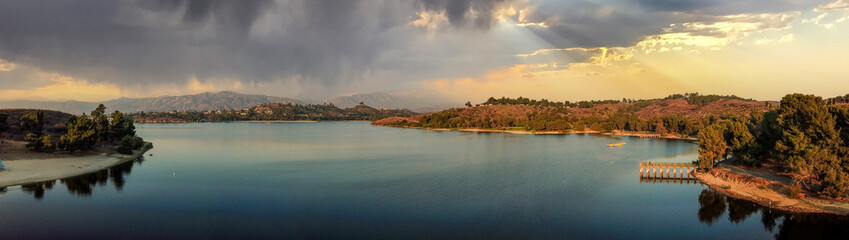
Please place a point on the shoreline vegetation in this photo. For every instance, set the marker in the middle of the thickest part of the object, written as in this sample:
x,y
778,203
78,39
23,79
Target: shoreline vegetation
x,y
27,171
793,157
274,112
767,190
526,132
43,145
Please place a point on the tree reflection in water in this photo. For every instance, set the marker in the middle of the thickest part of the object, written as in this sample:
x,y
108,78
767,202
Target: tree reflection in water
x,y
712,205
84,184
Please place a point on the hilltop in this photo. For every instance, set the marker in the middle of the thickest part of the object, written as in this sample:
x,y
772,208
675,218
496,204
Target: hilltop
x,y
413,101
10,123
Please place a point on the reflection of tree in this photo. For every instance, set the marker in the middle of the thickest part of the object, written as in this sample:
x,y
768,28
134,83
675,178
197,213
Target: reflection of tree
x,y
37,189
739,210
83,185
792,226
768,218
712,206
813,226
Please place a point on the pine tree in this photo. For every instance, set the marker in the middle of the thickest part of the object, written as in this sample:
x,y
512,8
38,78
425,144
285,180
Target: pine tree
x,y
712,146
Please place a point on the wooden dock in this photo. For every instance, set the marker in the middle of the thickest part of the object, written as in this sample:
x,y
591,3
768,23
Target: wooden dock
x,y
661,170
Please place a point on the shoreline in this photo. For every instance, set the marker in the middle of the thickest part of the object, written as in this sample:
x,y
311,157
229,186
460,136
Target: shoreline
x,y
41,170
769,193
524,132
257,121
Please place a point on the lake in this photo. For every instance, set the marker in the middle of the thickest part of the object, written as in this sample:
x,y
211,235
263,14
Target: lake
x,y
350,180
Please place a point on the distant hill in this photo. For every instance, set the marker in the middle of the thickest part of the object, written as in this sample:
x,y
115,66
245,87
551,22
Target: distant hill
x,y
204,101
412,101
682,116
275,112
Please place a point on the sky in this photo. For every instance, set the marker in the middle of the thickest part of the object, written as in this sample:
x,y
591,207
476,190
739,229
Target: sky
x,y
94,50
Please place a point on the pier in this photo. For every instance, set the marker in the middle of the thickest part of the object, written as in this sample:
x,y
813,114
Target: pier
x,y
660,170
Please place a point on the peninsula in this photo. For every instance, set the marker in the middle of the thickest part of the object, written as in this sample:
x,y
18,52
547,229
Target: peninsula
x,y
43,145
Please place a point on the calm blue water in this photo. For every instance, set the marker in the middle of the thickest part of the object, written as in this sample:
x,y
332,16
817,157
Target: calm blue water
x,y
352,181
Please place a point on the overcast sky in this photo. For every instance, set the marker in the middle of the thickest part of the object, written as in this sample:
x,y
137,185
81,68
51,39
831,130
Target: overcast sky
x,y
460,49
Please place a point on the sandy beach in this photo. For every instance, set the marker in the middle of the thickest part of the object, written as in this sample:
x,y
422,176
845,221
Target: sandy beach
x,y
25,171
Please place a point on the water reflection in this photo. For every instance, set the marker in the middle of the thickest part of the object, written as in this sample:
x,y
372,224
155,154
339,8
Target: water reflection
x,y
785,225
668,180
83,185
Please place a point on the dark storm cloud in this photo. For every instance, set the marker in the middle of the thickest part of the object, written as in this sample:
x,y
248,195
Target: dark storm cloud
x,y
459,11
676,5
129,42
326,42
589,24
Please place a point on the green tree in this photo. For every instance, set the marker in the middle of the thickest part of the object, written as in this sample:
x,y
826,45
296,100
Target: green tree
x,y
712,146
659,128
48,143
810,115
33,122
4,123
101,122
768,131
33,141
469,104
81,134
130,143
739,140
834,183
121,126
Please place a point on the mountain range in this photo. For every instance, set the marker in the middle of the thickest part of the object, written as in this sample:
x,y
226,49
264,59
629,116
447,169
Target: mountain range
x,y
203,101
228,100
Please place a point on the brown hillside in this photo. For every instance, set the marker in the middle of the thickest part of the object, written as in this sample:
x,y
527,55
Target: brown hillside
x,y
646,109
54,123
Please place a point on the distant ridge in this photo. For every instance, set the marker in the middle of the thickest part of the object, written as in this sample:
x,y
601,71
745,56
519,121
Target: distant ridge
x,y
415,102
197,102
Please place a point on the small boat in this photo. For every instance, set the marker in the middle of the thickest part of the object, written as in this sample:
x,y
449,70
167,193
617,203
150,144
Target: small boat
x,y
615,144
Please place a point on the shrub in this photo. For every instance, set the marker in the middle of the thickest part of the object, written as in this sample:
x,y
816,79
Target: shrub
x,y
130,143
48,143
34,141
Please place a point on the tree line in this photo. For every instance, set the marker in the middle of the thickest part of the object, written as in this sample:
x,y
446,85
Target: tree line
x,y
276,112
701,100
83,132
691,98
559,119
804,135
